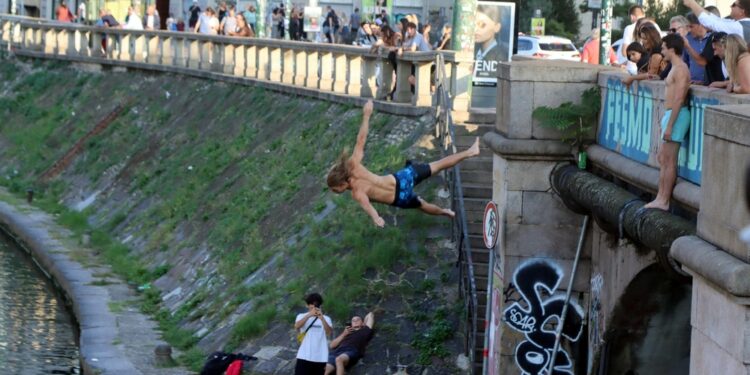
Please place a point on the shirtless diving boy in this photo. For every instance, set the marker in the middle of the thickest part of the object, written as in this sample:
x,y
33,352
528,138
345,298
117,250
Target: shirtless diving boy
x,y
396,189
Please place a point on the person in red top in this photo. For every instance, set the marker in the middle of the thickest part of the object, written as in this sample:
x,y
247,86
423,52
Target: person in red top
x,y
590,52
63,13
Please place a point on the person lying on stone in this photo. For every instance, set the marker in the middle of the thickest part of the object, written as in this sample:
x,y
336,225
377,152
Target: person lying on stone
x,y
396,189
349,347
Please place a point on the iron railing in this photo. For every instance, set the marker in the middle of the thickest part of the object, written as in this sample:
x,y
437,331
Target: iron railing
x,y
467,282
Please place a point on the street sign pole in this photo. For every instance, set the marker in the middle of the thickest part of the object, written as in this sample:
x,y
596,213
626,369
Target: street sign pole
x,y
605,31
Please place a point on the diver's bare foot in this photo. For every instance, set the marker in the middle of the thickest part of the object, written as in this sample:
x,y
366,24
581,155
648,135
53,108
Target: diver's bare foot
x,y
449,213
659,205
474,149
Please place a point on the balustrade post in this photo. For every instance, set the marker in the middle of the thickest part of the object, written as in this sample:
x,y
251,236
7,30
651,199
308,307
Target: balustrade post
x,y
403,87
251,59
326,71
50,42
217,56
288,58
311,81
194,54
263,62
114,45
126,43
422,85
6,30
275,62
228,54
339,73
369,77
239,61
205,55
462,82
140,54
181,49
62,42
300,67
386,79
354,81
154,56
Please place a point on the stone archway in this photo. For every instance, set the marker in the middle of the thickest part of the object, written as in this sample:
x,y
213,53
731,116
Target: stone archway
x,y
649,332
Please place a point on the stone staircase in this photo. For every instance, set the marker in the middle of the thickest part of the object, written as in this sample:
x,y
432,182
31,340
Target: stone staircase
x,y
476,180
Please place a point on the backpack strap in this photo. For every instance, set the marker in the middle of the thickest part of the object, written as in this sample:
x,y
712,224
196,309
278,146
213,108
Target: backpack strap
x,y
311,324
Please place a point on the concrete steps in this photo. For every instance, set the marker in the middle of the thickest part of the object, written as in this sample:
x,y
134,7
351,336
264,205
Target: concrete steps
x,y
476,180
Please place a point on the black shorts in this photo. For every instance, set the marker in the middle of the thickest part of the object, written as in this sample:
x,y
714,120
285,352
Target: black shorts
x,y
352,353
406,179
303,367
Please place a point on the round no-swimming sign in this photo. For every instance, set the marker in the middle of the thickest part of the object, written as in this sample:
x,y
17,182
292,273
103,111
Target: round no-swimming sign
x,y
491,226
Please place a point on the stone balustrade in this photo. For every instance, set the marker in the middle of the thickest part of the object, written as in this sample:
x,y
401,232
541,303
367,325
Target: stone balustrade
x,y
329,68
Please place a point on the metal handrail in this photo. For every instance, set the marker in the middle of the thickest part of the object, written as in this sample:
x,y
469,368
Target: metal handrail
x,y
446,134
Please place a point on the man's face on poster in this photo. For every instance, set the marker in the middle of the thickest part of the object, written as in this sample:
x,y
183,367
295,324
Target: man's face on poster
x,y
486,28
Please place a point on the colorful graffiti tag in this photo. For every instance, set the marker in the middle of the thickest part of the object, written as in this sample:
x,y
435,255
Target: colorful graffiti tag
x,y
629,118
537,318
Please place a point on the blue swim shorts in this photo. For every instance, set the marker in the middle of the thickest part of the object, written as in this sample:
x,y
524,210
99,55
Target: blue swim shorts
x,y
681,125
406,179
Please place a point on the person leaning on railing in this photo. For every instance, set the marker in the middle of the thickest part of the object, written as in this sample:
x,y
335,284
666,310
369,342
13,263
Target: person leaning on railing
x,y
243,29
737,59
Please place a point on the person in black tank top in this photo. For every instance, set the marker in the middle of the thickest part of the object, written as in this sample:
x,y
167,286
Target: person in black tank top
x,y
350,345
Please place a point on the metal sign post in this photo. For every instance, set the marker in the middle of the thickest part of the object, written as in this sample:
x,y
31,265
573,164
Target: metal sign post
x,y
605,39
490,231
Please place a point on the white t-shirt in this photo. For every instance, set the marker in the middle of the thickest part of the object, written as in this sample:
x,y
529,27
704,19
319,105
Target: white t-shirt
x,y
314,347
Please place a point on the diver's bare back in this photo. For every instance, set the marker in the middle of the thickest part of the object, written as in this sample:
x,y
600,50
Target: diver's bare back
x,y
378,188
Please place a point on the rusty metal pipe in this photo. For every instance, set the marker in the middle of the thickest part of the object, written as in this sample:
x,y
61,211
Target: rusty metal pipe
x,y
651,228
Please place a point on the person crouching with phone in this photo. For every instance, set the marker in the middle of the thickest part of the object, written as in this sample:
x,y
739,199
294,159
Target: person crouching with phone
x,y
313,330
350,346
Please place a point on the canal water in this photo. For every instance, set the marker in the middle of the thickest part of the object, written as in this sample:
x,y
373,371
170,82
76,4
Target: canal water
x,y
37,333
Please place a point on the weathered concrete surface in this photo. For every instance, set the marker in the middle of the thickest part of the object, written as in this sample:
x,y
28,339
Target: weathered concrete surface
x,y
713,264
720,342
110,343
526,85
726,154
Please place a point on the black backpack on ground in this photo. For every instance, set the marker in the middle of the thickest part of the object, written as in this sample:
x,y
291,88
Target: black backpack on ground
x,y
218,362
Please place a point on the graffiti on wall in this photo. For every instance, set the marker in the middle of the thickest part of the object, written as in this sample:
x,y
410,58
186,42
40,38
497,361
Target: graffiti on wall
x,y
629,120
537,315
596,318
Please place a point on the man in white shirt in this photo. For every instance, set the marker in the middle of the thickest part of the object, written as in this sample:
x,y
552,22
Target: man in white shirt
x,y
82,12
738,24
312,355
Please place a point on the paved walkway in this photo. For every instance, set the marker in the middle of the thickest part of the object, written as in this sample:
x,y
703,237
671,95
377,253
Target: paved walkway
x,y
115,337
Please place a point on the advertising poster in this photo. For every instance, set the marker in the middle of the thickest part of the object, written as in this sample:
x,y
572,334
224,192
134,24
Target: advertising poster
x,y
493,38
312,19
537,26
371,8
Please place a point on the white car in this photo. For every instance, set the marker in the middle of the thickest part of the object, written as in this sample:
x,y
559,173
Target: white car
x,y
548,47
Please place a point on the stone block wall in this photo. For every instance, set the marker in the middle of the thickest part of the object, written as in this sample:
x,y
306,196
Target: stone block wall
x,y
723,208
528,84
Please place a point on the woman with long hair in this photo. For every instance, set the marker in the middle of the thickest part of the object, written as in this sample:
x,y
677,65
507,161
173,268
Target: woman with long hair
x,y
737,60
650,38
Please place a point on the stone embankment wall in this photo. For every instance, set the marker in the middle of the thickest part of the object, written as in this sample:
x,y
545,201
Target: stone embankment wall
x,y
210,198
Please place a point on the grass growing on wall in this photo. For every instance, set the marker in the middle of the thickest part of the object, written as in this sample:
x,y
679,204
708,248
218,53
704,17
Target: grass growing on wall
x,y
235,169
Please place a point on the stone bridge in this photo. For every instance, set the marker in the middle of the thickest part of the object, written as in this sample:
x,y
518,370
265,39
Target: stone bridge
x,y
638,304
